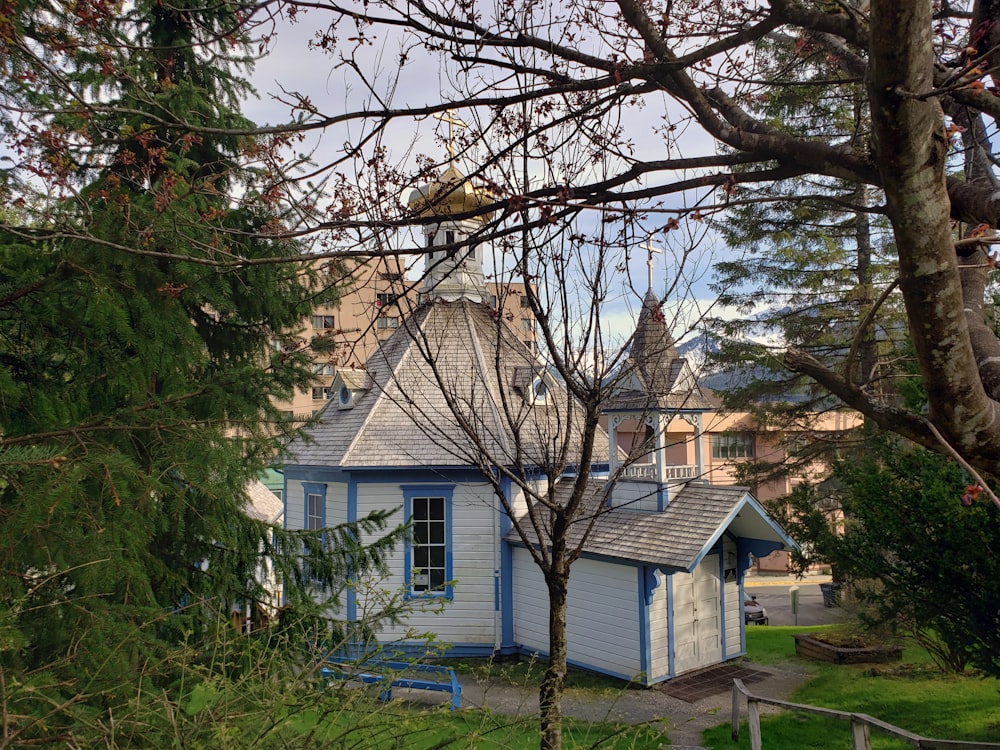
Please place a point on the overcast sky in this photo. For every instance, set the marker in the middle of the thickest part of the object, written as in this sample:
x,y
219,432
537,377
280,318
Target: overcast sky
x,y
291,65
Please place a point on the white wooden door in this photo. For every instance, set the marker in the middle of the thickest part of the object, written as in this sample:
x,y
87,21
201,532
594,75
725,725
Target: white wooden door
x,y
697,617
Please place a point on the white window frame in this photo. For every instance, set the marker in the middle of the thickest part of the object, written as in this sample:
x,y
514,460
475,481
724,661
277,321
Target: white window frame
x,y
727,446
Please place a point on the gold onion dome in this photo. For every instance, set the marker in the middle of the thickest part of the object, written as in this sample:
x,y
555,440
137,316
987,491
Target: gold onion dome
x,y
450,194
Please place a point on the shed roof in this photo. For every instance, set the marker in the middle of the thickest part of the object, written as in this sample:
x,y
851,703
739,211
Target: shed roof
x,y
675,538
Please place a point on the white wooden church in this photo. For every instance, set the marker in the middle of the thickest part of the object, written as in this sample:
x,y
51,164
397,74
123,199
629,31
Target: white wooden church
x,y
658,590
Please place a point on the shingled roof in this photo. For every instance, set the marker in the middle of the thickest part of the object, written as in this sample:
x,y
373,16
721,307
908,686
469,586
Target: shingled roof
x,y
456,350
654,376
675,538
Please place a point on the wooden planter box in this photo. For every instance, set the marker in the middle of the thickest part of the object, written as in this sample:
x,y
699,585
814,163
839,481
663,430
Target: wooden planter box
x,y
808,647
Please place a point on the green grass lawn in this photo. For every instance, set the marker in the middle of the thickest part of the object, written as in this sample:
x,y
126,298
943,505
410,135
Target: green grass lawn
x,y
912,695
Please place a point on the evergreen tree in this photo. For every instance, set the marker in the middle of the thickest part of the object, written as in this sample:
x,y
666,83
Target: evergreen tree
x,y
143,275
922,561
813,270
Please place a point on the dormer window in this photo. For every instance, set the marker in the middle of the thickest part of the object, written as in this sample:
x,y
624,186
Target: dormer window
x,y
539,390
344,397
348,386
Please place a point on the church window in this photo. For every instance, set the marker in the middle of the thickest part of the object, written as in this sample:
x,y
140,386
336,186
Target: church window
x,y
429,552
727,445
314,511
315,515
449,237
540,390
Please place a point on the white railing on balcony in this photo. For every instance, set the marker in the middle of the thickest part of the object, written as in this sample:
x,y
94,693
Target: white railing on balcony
x,y
681,472
648,471
640,471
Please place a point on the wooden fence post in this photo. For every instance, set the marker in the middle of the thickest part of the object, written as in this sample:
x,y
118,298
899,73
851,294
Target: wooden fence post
x,y
736,710
860,735
753,720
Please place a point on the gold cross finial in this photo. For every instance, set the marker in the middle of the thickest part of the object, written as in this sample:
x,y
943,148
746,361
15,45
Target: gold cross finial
x,y
448,116
650,248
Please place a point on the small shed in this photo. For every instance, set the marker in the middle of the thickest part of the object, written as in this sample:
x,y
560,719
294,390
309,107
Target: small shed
x,y
655,593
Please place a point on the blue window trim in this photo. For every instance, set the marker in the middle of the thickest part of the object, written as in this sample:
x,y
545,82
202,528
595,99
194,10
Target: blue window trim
x,y
310,488
411,491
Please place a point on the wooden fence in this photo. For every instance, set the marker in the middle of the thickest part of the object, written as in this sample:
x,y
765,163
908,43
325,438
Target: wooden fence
x,y
861,724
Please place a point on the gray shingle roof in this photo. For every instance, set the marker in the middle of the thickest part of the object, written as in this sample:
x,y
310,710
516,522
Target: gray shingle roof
x,y
674,538
444,351
262,504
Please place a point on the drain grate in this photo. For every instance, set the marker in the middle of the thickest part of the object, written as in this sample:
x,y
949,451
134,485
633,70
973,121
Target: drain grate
x,y
691,688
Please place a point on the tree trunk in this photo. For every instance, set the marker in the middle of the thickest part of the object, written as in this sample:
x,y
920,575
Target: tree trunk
x,y
551,691
911,149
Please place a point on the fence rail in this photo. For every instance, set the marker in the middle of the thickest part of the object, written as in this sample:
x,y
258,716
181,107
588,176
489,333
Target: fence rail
x,y
861,724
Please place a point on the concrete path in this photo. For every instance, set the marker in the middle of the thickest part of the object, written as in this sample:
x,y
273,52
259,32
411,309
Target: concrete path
x,y
683,722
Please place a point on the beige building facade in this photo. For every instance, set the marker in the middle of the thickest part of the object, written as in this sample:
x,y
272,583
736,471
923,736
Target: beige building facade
x,y
377,297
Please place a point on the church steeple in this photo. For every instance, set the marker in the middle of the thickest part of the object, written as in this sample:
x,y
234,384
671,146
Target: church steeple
x,y
452,272
654,387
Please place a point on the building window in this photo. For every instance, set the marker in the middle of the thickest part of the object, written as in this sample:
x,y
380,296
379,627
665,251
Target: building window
x,y
315,517
326,368
320,393
525,302
429,553
726,445
449,237
314,511
527,325
530,345
430,239
323,321
384,299
388,321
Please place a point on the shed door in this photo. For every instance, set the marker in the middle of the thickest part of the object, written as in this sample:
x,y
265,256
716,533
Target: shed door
x,y
697,617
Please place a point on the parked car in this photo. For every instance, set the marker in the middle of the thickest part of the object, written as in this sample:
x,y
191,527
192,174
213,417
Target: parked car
x,y
754,612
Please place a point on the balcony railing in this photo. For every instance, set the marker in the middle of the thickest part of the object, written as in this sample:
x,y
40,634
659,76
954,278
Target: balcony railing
x,y
648,471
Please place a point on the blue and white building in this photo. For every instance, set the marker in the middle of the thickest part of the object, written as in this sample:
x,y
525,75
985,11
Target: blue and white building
x,y
657,591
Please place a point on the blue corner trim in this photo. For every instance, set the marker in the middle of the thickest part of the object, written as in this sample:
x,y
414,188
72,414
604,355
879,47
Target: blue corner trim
x,y
352,515
506,578
645,597
722,599
670,625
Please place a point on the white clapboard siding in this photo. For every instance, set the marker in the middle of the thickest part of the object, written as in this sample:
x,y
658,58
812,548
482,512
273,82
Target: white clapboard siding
x,y
659,631
733,612
602,618
295,504
469,618
336,503
734,622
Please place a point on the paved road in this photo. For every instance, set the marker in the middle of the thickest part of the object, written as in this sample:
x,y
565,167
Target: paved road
x,y
775,598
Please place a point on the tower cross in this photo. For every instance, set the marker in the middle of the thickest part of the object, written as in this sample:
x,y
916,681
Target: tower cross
x,y
650,249
448,116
